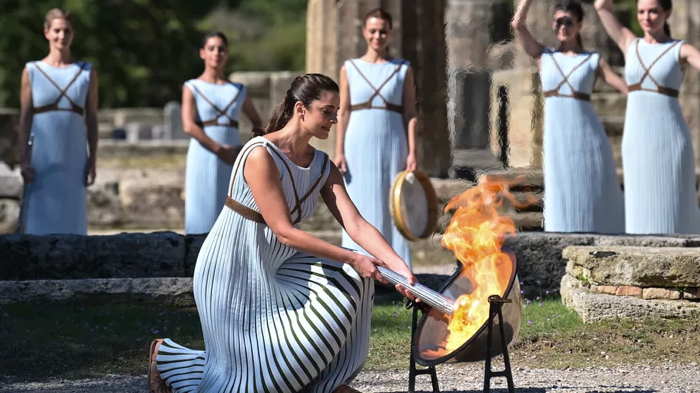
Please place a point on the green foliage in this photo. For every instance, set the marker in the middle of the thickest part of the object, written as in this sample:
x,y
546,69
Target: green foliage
x,y
143,50
265,35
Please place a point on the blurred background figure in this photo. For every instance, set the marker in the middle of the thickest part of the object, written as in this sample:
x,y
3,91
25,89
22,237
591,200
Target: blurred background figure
x,y
376,128
59,115
657,150
211,105
582,193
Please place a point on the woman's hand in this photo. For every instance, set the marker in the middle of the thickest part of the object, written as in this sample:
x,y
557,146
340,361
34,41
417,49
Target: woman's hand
x,y
411,163
341,163
406,272
366,267
90,172
227,153
27,173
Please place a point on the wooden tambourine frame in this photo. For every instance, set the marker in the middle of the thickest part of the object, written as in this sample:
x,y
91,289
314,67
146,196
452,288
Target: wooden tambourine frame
x,y
395,205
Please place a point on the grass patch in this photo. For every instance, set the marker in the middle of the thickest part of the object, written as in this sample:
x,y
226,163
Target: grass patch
x,y
40,341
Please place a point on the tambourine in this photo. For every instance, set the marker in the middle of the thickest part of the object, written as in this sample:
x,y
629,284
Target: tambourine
x,y
413,205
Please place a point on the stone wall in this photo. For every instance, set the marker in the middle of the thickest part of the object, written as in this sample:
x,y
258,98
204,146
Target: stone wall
x,y
632,282
166,254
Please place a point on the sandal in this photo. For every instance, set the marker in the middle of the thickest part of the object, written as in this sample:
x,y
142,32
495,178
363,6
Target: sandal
x,y
156,384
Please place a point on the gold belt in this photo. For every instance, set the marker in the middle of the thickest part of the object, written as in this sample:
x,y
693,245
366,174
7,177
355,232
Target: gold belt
x,y
244,211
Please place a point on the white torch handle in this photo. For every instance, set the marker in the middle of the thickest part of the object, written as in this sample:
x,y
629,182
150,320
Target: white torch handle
x,y
427,295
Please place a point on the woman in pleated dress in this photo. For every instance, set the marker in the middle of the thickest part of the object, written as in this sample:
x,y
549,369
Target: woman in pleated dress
x,y
281,310
657,150
581,190
376,128
211,105
58,134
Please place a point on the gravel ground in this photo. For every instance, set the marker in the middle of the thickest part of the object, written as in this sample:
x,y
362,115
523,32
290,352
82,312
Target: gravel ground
x,y
463,378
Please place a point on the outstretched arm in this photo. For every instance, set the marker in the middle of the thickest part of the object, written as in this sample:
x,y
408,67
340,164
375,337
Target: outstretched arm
x,y
529,43
619,33
610,76
690,55
263,177
362,232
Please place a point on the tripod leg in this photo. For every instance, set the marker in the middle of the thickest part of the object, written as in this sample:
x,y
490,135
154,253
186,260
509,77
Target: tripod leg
x,y
506,358
487,361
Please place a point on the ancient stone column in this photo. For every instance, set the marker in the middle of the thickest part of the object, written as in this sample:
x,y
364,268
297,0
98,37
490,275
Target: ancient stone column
x,y
423,44
468,39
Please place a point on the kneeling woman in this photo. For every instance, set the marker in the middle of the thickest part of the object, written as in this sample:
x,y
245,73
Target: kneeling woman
x,y
281,310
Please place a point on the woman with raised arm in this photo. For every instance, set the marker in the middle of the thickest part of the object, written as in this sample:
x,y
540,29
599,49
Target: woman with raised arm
x,y
58,134
281,310
657,150
376,128
211,106
581,191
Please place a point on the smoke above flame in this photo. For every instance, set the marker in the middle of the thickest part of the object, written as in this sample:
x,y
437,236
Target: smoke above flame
x,y
475,235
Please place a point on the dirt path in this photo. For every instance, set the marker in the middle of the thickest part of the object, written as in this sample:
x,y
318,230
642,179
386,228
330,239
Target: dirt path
x,y
466,378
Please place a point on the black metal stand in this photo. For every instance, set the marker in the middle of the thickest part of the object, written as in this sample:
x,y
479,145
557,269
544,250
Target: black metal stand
x,y
495,304
413,371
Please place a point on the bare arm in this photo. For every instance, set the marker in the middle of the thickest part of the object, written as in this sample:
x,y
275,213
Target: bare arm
x,y
529,43
343,120
252,114
611,77
263,177
363,233
190,126
25,126
410,118
619,33
91,125
690,55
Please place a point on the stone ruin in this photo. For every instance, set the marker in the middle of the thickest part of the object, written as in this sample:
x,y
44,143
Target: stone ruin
x,y
632,282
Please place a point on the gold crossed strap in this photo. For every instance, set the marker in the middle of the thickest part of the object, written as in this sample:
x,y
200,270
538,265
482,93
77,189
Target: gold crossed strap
x,y
222,112
63,92
368,104
667,91
253,215
574,94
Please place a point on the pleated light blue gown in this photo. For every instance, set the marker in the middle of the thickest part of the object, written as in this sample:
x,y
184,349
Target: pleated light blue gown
x,y
207,176
582,193
376,145
55,202
657,149
274,319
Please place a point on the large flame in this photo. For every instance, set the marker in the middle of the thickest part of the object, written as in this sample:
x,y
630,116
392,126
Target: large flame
x,y
475,235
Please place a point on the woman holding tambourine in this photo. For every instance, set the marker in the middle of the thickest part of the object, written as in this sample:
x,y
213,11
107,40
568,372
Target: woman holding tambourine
x,y
376,128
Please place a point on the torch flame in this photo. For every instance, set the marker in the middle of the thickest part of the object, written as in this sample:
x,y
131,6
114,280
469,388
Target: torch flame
x,y
475,235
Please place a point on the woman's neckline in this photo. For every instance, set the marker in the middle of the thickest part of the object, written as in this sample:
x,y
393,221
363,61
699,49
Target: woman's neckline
x,y
225,83
283,154
388,61
645,42
58,67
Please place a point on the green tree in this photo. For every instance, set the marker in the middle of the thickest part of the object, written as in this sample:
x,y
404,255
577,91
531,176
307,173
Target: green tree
x,y
144,49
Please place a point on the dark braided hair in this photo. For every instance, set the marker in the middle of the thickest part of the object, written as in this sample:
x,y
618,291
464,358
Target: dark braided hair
x,y
304,88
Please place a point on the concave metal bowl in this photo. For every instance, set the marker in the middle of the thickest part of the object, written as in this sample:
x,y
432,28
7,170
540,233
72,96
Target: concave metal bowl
x,y
432,328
